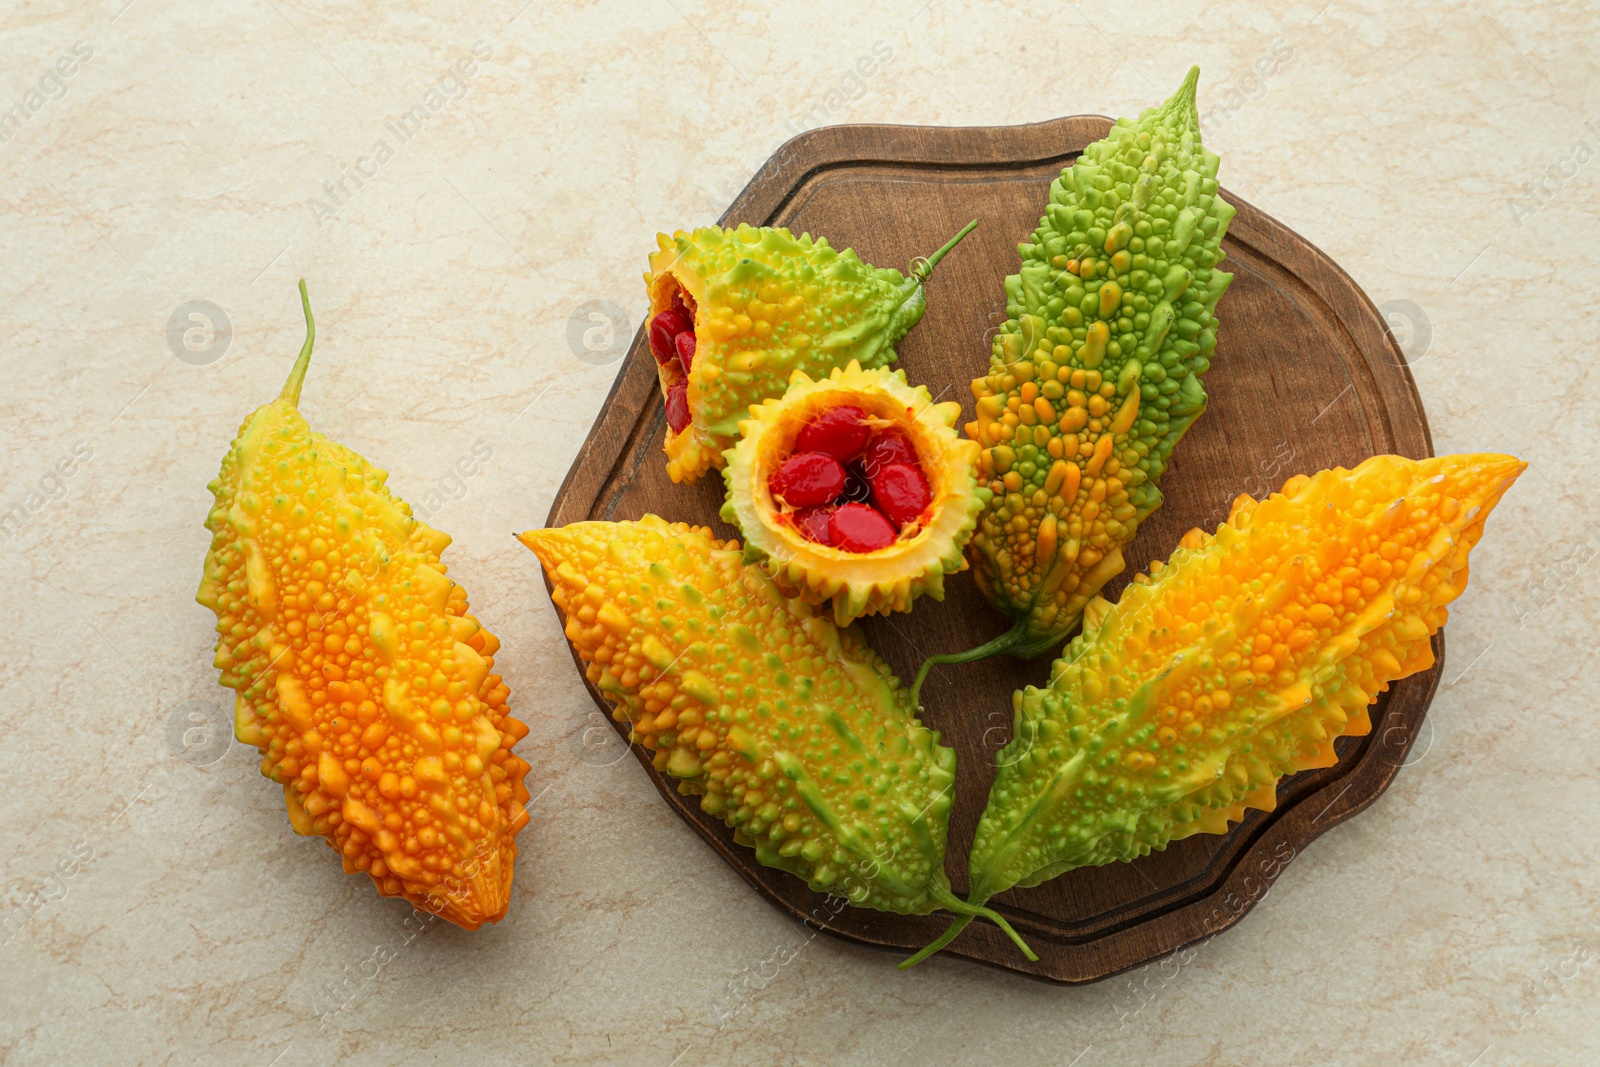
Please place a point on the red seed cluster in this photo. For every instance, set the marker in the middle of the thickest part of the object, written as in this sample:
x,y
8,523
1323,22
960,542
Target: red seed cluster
x,y
854,485
672,342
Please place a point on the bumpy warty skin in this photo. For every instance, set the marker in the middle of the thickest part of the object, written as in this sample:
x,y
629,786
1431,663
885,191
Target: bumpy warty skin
x,y
1237,662
360,676
769,303
1096,374
791,730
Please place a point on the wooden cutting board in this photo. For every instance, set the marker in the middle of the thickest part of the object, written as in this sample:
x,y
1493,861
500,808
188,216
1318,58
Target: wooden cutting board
x,y
1305,376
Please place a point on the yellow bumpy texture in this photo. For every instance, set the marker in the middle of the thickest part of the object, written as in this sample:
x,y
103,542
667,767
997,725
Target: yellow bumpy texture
x,y
791,730
1096,375
857,583
767,304
360,676
1237,662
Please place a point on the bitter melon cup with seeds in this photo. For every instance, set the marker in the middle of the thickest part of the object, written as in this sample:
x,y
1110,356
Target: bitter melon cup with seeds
x,y
791,730
854,489
735,312
360,676
1095,376
1237,662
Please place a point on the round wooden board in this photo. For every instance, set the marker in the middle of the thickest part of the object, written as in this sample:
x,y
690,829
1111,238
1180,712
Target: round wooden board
x,y
1305,376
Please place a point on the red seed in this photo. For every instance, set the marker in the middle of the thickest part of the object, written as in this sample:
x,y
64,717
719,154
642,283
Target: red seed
x,y
890,446
807,479
813,523
902,492
661,338
664,328
839,432
686,344
678,405
858,528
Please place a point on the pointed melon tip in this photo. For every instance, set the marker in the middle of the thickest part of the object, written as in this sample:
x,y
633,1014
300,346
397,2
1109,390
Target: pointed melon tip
x,y
1185,99
541,543
482,903
1510,467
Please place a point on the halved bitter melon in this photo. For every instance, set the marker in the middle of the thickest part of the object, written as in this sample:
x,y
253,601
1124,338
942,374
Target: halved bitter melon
x,y
733,312
855,488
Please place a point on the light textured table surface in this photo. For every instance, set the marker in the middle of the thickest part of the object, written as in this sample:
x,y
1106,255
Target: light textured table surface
x,y
156,907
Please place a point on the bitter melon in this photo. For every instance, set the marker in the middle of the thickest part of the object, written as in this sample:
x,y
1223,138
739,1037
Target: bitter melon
x,y
735,312
1237,662
1096,374
789,729
360,676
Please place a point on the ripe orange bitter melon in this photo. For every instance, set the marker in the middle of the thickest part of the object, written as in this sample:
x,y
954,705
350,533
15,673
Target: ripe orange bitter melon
x,y
360,676
1237,662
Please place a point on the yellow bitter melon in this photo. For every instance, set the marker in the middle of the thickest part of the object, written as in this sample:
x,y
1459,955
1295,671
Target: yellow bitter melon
x,y
360,676
765,304
789,729
1096,375
1237,662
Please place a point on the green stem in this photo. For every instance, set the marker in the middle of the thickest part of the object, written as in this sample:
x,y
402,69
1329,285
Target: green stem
x,y
921,268
1009,641
967,912
938,943
297,376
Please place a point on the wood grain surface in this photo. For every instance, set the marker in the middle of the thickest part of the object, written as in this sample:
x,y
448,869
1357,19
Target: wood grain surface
x,y
1305,376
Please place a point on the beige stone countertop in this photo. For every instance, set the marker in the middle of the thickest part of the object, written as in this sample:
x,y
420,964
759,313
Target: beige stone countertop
x,y
162,159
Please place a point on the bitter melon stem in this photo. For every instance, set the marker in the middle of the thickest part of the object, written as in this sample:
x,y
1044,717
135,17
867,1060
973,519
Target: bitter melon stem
x,y
967,912
297,376
938,943
1014,641
923,266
